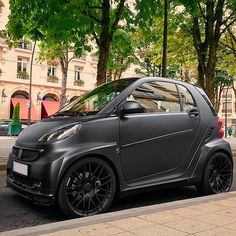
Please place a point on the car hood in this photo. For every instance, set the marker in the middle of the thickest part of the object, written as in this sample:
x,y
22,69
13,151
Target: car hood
x,y
29,136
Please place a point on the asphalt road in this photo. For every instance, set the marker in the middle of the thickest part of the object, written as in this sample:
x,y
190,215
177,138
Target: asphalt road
x,y
16,212
5,145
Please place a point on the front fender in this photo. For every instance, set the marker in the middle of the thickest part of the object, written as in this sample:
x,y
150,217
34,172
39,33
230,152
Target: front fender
x,y
106,151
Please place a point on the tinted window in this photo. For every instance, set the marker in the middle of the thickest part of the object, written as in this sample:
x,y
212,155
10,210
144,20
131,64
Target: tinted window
x,y
157,97
186,97
95,100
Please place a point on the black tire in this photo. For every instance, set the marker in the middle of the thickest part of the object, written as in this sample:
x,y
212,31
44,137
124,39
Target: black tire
x,y
87,188
217,176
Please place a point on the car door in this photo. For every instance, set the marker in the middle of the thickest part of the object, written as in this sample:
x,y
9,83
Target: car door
x,y
157,142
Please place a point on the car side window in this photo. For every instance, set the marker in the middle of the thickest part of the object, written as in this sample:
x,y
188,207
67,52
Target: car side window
x,y
186,98
157,97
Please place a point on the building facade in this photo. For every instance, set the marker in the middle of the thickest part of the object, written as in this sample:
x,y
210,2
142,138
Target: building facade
x,y
227,111
46,79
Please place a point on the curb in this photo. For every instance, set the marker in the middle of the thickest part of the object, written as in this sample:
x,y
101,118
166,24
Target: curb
x,y
102,218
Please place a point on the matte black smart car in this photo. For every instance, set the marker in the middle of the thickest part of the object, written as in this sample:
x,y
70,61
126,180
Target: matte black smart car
x,y
125,135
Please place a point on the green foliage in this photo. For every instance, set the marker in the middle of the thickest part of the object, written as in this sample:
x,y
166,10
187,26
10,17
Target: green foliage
x,y
52,79
120,55
222,78
23,75
16,114
79,82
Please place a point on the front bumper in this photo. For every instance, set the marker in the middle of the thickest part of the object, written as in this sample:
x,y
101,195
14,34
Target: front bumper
x,y
29,193
41,182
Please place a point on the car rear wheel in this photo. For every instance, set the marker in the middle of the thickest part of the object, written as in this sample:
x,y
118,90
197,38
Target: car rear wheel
x,y
218,175
88,188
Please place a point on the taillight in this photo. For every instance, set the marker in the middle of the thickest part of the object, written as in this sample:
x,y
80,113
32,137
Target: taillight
x,y
220,122
221,131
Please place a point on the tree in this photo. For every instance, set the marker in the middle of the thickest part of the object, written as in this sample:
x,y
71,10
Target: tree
x,y
16,114
103,17
209,20
62,53
49,22
121,54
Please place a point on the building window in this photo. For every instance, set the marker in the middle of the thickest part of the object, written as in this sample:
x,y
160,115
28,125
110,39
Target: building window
x,y
229,107
22,68
77,73
22,64
25,44
51,71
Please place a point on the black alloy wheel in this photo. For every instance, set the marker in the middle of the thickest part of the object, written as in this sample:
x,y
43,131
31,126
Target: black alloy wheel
x,y
218,175
88,188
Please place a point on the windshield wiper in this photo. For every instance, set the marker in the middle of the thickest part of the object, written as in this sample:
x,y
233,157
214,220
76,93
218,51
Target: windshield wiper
x,y
68,113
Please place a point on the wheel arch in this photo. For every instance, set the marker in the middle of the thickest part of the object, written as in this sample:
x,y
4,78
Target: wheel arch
x,y
99,156
209,149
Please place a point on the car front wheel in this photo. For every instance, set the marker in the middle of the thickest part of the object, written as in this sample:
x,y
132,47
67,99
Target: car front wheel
x,y
218,175
88,188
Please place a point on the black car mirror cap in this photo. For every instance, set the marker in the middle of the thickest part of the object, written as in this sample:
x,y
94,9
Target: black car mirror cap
x,y
131,107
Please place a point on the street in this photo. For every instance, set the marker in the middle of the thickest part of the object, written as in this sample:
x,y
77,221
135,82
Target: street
x,y
5,145
17,212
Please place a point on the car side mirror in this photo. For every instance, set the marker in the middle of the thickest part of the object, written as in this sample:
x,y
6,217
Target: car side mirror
x,y
131,107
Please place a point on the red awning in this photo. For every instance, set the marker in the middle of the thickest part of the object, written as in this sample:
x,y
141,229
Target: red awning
x,y
24,109
49,108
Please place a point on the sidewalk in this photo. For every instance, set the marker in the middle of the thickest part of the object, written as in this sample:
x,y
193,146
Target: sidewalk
x,y
210,215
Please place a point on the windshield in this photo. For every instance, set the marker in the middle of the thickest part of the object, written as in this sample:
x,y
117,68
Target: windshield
x,y
94,101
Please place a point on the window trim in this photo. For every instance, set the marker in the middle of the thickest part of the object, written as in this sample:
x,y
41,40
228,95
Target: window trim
x,y
22,61
51,69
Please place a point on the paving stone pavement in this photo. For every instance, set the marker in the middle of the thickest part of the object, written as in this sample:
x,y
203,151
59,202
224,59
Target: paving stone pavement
x,y
206,216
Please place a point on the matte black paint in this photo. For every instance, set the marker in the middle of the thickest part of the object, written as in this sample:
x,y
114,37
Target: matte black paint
x,y
144,150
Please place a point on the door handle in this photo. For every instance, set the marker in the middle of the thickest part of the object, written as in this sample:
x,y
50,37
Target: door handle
x,y
193,112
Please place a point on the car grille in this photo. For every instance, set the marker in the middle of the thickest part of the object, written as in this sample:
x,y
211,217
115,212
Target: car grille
x,y
20,179
25,154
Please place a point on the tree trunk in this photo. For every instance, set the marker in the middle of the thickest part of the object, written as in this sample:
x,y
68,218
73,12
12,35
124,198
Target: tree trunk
x,y
105,38
102,63
201,76
64,68
210,72
63,90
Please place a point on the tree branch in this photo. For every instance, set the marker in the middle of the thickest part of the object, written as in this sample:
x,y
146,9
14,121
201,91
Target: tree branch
x,y
201,10
228,26
117,16
94,33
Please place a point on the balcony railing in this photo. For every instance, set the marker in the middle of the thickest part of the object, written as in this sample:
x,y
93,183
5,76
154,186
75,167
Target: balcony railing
x,y
228,110
79,82
22,75
52,79
25,45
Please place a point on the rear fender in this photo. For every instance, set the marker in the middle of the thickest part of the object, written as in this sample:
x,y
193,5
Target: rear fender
x,y
207,150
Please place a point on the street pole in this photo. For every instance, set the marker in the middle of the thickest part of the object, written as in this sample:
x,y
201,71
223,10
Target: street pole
x,y
30,86
164,47
226,103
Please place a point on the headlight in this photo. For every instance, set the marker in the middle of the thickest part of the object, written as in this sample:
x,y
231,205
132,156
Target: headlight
x,y
60,134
